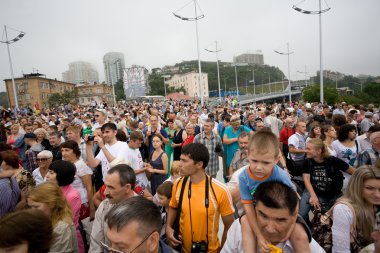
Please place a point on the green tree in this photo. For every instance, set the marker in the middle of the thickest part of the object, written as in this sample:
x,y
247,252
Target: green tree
x,y
55,100
373,91
119,90
312,94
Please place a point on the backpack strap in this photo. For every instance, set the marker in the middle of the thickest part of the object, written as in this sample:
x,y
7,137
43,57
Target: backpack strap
x,y
213,191
179,208
357,147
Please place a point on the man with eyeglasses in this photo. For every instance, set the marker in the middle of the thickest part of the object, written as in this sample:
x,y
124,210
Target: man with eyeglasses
x,y
134,226
119,182
44,159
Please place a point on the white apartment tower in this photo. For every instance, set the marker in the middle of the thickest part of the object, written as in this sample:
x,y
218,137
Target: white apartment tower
x,y
114,65
80,72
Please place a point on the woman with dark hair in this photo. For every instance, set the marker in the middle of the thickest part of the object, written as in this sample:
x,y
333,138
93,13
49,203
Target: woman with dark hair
x,y
168,148
62,173
315,131
26,231
158,165
121,136
11,168
82,182
346,147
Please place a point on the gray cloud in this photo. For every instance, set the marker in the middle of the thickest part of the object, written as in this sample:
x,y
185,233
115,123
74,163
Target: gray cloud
x,y
59,32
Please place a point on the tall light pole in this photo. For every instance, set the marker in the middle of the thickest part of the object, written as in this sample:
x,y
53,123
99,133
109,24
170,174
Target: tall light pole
x,y
21,34
217,66
165,76
254,86
196,18
236,82
288,53
319,12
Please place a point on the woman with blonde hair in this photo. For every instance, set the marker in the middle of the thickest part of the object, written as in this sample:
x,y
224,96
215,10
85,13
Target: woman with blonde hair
x,y
42,137
328,136
49,198
15,133
354,217
322,175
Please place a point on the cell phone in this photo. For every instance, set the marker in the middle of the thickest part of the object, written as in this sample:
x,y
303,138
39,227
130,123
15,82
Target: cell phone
x,y
90,138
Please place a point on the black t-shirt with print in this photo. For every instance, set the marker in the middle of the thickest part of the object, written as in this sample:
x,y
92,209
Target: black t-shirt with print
x,y
326,177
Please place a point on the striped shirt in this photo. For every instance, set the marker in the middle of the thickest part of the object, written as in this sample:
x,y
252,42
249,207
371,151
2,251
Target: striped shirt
x,y
213,164
9,195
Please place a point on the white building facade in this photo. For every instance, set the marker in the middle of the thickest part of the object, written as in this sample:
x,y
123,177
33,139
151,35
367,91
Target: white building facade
x,y
190,83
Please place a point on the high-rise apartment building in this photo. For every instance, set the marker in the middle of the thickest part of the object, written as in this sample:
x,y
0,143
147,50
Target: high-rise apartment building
x,y
80,72
114,65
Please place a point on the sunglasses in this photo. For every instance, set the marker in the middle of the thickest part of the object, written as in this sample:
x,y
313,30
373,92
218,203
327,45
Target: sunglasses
x,y
42,159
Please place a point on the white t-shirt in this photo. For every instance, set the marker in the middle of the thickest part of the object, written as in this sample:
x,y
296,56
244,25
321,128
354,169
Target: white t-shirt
x,y
82,170
117,150
347,154
233,184
234,242
37,176
134,157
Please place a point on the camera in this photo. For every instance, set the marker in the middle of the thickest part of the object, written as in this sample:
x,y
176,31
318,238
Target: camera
x,y
218,148
199,247
90,138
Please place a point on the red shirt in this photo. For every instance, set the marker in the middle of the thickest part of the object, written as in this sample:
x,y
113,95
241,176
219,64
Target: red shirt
x,y
189,139
285,134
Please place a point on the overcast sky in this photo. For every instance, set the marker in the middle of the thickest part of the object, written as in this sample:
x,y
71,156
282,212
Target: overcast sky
x,y
60,32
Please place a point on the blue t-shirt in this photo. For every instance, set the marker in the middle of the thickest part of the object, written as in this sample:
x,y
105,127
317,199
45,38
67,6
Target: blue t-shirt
x,y
231,148
248,183
150,138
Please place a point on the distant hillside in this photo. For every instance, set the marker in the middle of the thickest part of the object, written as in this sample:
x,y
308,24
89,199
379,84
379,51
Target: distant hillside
x,y
4,99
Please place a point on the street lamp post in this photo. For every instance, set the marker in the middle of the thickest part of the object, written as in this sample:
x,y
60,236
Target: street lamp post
x,y
22,34
217,66
165,76
236,82
288,54
254,86
196,18
319,12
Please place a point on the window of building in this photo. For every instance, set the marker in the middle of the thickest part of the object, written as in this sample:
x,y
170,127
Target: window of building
x,y
27,96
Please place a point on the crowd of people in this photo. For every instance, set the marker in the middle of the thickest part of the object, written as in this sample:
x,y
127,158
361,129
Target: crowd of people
x,y
142,177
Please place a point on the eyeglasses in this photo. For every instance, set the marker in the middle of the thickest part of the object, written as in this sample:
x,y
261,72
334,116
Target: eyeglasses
x,y
42,159
96,115
108,249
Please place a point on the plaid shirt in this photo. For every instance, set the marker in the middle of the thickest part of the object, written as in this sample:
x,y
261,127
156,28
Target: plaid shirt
x,y
213,164
367,157
31,160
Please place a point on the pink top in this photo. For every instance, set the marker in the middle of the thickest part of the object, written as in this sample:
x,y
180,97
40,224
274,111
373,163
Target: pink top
x,y
73,198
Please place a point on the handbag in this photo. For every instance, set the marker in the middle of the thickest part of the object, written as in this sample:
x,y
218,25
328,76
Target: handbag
x,y
322,228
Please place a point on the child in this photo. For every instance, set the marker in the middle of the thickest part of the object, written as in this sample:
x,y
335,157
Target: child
x,y
174,175
164,194
263,155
